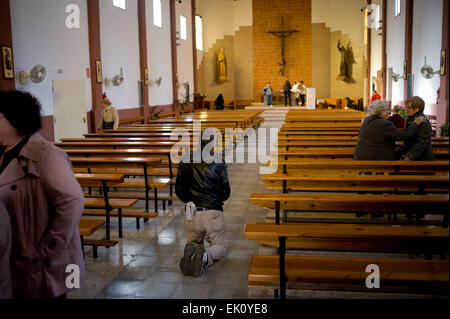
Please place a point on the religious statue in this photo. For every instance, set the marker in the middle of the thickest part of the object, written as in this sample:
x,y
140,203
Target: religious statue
x,y
350,61
347,61
222,66
342,51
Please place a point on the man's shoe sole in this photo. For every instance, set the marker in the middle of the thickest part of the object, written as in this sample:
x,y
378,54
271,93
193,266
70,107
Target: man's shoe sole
x,y
186,263
197,261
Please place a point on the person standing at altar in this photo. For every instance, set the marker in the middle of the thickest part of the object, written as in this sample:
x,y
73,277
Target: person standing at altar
x,y
302,89
268,94
296,92
287,93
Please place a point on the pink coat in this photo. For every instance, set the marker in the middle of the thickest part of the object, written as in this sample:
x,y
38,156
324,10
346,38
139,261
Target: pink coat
x,y
45,203
5,249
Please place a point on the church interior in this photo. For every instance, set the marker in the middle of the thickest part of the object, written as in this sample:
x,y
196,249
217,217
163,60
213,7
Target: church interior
x,y
321,224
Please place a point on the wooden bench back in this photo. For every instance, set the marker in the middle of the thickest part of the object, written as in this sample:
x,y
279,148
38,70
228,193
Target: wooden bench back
x,y
349,237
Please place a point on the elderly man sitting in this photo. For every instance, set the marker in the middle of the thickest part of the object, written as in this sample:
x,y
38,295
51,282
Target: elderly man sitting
x,y
377,135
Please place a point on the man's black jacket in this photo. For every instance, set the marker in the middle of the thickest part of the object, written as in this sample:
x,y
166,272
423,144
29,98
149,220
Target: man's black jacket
x,y
206,185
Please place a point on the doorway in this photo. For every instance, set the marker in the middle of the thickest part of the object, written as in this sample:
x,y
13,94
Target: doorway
x,y
70,111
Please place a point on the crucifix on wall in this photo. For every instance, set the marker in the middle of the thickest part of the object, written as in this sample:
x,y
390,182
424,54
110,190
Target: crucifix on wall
x,y
283,35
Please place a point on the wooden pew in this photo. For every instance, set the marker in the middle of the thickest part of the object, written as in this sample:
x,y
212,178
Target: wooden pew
x,y
166,114
131,162
304,145
353,203
104,181
350,166
325,175
164,136
284,139
398,275
112,203
320,122
411,239
132,120
418,184
338,153
87,227
413,276
316,134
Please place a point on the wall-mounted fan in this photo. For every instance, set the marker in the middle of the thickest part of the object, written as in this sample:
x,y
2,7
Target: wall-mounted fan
x,y
396,76
427,71
116,80
37,75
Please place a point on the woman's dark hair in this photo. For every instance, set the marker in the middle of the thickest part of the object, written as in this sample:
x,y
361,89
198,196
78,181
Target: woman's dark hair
x,y
22,110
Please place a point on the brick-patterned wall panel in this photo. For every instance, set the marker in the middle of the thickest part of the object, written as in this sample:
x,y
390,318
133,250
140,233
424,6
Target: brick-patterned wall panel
x,y
267,16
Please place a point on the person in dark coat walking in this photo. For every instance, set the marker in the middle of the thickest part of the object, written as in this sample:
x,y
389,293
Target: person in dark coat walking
x,y
418,147
377,135
287,92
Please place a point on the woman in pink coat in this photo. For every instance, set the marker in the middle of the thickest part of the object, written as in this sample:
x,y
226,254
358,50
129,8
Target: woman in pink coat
x,y
5,253
44,201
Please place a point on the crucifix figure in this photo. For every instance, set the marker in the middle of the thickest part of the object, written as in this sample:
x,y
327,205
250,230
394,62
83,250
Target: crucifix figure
x,y
283,34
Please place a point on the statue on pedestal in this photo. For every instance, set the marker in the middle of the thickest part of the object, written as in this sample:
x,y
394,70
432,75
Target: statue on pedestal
x,y
347,61
222,66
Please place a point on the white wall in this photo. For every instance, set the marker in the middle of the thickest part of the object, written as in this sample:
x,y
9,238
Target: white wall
x,y
427,40
159,55
341,15
120,48
223,17
242,14
395,46
184,50
41,37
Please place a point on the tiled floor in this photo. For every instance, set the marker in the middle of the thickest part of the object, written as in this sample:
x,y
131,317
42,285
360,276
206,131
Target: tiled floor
x,y
145,264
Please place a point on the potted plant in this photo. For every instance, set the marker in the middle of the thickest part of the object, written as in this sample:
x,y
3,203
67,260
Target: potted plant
x,y
403,113
153,114
444,130
185,98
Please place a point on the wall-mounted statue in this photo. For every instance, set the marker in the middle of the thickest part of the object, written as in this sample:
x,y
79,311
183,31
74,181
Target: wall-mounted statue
x,y
222,66
347,61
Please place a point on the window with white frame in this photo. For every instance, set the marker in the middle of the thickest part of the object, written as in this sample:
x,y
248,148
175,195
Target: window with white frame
x,y
157,14
397,7
199,32
183,28
122,4
378,17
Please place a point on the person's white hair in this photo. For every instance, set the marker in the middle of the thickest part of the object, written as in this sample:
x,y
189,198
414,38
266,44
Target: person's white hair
x,y
377,106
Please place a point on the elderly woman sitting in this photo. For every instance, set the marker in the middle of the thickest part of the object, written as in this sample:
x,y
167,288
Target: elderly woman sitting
x,y
377,135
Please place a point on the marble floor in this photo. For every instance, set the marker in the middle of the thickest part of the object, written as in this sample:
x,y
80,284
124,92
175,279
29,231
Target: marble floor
x,y
145,264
